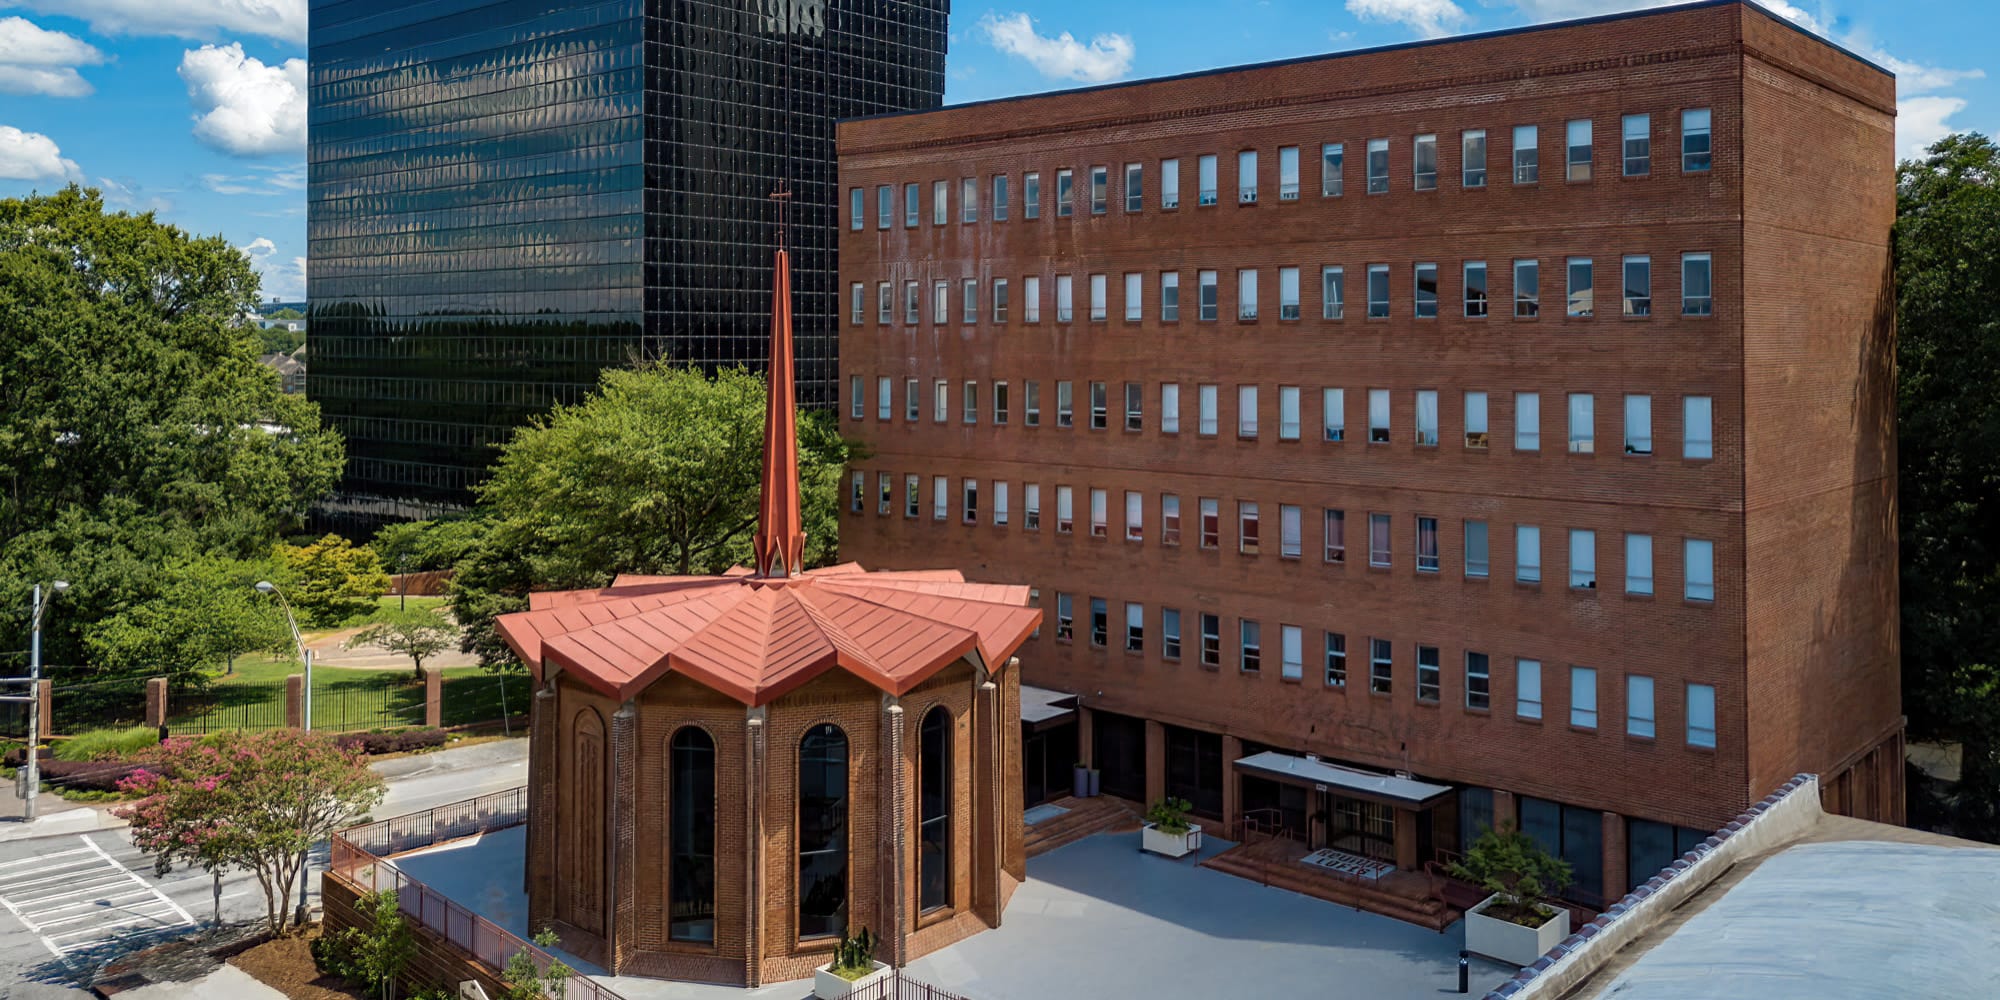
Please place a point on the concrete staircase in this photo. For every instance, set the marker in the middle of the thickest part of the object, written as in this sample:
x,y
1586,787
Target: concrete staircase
x,y
1101,814
1406,905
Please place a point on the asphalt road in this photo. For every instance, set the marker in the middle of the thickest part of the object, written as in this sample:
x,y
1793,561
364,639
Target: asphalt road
x,y
71,903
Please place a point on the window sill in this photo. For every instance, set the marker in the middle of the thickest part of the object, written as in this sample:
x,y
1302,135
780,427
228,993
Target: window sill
x,y
1535,585
1586,730
1697,748
1583,591
1638,598
1636,740
1518,318
688,948
1697,602
1528,720
1484,712
1384,695
1429,704
1282,679
1480,579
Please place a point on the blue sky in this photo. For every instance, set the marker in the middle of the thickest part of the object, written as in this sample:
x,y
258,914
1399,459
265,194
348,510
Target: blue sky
x,y
196,108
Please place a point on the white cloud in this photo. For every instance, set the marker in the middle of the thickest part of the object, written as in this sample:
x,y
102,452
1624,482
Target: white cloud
x,y
1062,57
1429,18
281,277
119,194
242,106
32,156
284,20
265,180
1921,121
34,60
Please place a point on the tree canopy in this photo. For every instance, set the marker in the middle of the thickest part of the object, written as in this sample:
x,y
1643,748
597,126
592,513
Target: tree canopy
x,y
136,427
418,633
332,581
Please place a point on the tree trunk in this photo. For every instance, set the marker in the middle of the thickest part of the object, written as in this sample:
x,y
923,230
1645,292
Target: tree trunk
x,y
216,920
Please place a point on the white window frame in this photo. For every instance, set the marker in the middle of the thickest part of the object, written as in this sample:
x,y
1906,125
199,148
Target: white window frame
x,y
1378,416
1170,183
1582,423
1288,413
1641,714
1701,715
1288,173
1170,408
1477,435
1291,653
1135,301
1583,697
1246,293
1332,169
1427,418
1333,414
1582,559
1638,424
1424,147
1100,294
1527,421
1698,562
1332,293
1246,177
1528,553
1246,411
1288,293
1698,427
1528,689
1639,564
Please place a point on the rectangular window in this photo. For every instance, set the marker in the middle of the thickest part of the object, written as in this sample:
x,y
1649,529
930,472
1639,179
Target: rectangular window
x,y
885,303
1381,669
1291,653
1170,408
857,209
1135,187
1475,420
1378,416
1472,158
1249,532
1065,510
1246,293
1527,421
968,294
1334,531
857,404
1427,418
1427,545
1583,697
999,503
1582,299
999,300
1527,553
1031,195
1527,288
1170,183
1170,296
913,400
913,305
1582,420
1205,410
912,205
940,498
940,302
1527,154
1475,288
885,206
1426,163
912,497
1135,628
1035,601
1697,285
969,404
1000,404
886,502
1639,564
1478,682
1065,404
885,404
1333,414
1638,133
857,308
970,489
1288,173
1031,507
1100,295
999,197
1639,706
1211,522
940,202
1695,142
1583,559
1135,301
1699,556
968,197
1288,293
1331,175
1579,150
1065,617
1378,166
1378,540
1246,411
859,493
1638,425
1100,514
1378,291
1099,407
1291,540
1170,633
1697,427
1209,295
1211,640
1170,519
1288,413
1065,298
1031,403
1478,560
1638,286
1336,660
1701,715
1205,182
1100,190
1135,407
1065,194
940,401
1528,689
1427,291
1100,625
1246,177
1031,299
1332,292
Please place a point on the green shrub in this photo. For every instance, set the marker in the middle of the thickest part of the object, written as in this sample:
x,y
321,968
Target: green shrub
x,y
106,744
1170,815
1508,863
854,957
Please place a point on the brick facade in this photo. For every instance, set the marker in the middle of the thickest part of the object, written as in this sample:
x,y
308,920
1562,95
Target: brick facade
x,y
1798,641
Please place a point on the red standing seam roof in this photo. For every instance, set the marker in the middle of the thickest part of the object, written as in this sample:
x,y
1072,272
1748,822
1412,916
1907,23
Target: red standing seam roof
x,y
756,635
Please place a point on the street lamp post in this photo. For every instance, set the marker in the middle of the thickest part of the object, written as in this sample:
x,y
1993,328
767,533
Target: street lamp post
x,y
267,587
34,778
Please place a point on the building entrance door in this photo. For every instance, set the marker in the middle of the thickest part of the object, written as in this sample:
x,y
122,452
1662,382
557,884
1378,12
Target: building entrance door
x,y
1364,828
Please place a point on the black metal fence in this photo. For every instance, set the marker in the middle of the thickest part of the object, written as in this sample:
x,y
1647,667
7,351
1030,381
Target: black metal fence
x,y
106,703
898,985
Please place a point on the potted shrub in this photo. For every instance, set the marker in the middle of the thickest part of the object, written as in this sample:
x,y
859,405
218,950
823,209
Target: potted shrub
x,y
1515,923
1167,830
853,967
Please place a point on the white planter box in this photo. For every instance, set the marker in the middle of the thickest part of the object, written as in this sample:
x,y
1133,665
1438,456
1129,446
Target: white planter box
x,y
1171,845
827,986
1508,941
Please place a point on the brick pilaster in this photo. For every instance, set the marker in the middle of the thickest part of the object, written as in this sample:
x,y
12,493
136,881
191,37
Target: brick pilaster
x,y
1156,762
542,770
295,701
1615,876
895,868
753,844
623,920
1232,797
156,702
1505,811
433,697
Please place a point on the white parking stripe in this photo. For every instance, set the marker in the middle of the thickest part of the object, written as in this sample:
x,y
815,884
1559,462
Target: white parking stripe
x,y
136,880
88,889
43,858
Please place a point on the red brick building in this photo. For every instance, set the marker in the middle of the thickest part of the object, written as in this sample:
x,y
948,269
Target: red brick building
x,y
1514,412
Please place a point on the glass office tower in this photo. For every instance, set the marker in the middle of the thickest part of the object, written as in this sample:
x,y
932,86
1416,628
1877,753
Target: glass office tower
x,y
507,196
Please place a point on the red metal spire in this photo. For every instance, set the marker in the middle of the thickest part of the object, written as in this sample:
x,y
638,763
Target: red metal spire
x,y
780,542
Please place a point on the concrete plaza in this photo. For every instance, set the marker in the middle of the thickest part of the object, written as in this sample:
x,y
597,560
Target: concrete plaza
x,y
1096,918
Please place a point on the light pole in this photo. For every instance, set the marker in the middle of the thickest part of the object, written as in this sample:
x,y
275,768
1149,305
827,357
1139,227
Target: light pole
x,y
267,587
34,779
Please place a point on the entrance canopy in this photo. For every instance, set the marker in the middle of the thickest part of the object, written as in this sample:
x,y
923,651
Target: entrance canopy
x,y
1042,706
1312,772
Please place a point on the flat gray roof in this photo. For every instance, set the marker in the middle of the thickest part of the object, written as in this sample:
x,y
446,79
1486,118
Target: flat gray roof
x,y
1319,772
1044,705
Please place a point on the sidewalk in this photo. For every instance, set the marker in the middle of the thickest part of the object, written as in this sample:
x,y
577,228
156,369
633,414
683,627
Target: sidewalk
x,y
56,817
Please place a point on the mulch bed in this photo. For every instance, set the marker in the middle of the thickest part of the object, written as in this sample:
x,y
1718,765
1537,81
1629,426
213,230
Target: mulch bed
x,y
285,964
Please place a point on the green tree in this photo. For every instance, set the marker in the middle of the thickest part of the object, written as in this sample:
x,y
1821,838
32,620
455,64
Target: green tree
x,y
333,580
1948,275
253,800
136,426
205,611
526,980
1508,862
419,546
417,633
658,472
278,340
